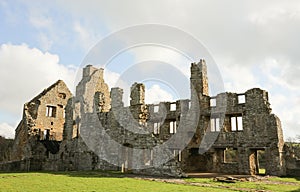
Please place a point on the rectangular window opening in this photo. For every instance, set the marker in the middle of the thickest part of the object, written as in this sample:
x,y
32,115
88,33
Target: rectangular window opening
x,y
156,108
173,107
156,129
213,102
233,124
236,123
46,134
240,123
177,153
241,99
230,155
214,124
173,127
50,111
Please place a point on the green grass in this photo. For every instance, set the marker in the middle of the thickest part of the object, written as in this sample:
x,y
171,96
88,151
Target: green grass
x,y
262,171
114,181
86,181
270,184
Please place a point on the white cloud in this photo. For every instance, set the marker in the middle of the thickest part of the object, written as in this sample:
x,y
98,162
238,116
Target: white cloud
x,y
45,42
237,77
162,54
111,78
276,13
244,34
24,73
41,22
7,131
86,36
155,94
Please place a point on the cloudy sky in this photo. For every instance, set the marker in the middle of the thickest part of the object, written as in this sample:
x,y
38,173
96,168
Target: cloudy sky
x,y
254,44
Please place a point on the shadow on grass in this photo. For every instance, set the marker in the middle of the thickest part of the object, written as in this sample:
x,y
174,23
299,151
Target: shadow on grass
x,y
93,174
84,174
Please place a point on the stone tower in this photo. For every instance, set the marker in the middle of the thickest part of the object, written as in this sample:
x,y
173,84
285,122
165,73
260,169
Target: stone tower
x,y
137,103
199,80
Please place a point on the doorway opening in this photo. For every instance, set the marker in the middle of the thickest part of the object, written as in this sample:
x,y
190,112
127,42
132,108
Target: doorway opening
x,y
257,162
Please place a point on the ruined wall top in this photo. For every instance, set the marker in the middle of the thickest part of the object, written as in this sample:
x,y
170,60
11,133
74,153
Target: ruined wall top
x,y
199,79
92,82
137,94
89,70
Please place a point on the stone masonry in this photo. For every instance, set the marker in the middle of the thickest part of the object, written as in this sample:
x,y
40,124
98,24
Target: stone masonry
x,y
232,133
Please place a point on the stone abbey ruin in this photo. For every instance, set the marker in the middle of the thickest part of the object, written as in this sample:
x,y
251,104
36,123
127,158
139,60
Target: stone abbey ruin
x,y
93,130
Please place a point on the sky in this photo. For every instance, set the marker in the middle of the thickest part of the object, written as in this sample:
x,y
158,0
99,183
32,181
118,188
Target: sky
x,y
254,43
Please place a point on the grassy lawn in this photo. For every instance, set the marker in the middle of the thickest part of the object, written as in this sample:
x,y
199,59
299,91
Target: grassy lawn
x,y
270,184
86,181
112,181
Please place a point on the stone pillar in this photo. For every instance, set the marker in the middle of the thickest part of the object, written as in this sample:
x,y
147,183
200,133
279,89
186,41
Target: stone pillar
x,y
69,123
116,95
138,108
137,94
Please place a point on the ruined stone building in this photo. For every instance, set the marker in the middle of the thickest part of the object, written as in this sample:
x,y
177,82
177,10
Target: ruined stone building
x,y
227,133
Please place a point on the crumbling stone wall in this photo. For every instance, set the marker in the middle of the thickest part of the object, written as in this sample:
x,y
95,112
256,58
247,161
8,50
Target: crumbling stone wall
x,y
292,156
43,119
110,145
260,130
5,148
224,133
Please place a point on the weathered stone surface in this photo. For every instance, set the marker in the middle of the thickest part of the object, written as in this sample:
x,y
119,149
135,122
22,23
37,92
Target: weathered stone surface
x,y
43,119
227,133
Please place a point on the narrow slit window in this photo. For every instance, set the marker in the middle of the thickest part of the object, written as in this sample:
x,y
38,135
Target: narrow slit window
x,y
179,155
240,123
217,128
64,113
233,124
212,125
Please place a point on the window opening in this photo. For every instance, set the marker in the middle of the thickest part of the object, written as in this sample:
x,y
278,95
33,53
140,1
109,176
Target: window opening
x,y
50,111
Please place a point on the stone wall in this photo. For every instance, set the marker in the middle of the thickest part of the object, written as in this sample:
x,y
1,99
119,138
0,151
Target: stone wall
x,y
43,119
223,133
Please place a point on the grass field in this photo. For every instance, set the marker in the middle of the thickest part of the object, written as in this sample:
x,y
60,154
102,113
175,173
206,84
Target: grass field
x,y
112,181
